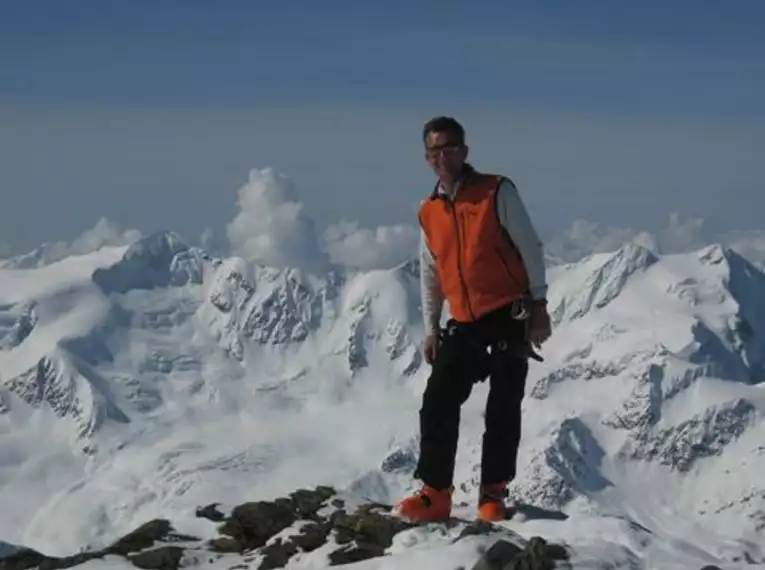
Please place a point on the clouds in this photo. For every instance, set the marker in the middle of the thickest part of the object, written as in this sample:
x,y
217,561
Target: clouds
x,y
105,233
750,244
584,237
365,248
275,226
272,227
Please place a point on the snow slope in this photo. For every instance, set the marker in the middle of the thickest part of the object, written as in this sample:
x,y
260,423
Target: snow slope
x,y
143,381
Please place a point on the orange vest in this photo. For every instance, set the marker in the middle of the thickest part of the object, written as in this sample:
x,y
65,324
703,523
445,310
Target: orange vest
x,y
478,266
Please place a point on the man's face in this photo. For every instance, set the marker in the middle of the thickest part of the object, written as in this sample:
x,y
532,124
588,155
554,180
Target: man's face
x,y
445,155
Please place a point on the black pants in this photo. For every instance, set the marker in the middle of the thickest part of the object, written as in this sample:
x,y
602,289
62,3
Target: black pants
x,y
461,360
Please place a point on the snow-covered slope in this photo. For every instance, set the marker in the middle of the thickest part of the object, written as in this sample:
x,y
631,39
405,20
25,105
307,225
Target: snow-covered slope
x,y
143,381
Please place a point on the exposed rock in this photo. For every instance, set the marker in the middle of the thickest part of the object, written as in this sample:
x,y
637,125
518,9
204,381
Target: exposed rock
x,y
157,530
367,527
188,267
308,502
606,283
403,460
271,533
224,544
264,305
569,467
312,536
147,264
277,554
501,553
23,559
537,555
704,435
162,558
364,533
140,539
478,528
355,553
642,408
16,324
252,524
576,371
70,388
28,558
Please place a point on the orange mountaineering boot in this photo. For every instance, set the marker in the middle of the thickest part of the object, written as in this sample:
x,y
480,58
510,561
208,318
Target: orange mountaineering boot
x,y
491,502
426,505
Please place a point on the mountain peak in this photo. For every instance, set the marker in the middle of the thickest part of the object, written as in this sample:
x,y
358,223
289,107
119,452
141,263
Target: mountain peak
x,y
714,253
70,388
157,260
603,277
155,251
16,323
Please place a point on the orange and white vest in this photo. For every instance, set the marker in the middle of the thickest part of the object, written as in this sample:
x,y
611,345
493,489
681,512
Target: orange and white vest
x,y
478,266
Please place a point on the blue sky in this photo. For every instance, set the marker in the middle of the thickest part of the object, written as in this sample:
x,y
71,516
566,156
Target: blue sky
x,y
152,112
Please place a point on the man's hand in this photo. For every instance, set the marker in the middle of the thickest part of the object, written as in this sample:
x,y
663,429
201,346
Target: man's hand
x,y
430,347
539,325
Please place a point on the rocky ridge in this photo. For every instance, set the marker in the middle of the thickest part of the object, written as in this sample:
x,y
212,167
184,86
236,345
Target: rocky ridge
x,y
265,535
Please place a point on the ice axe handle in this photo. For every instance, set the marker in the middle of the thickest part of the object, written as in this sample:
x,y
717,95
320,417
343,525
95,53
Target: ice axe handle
x,y
534,354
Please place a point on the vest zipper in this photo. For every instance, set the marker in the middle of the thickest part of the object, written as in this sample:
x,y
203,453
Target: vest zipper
x,y
465,292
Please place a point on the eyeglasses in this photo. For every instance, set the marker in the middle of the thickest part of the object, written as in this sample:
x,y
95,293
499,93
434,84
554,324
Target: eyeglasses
x,y
447,148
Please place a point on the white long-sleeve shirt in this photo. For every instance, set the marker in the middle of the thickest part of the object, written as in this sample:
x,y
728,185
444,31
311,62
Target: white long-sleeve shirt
x,y
515,219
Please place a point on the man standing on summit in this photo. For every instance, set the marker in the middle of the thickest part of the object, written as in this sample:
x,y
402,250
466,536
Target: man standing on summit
x,y
480,252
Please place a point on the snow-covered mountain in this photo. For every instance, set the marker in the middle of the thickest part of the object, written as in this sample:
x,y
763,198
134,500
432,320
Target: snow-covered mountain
x,y
142,381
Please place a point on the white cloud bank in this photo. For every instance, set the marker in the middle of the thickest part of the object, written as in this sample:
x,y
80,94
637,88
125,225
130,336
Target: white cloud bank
x,y
273,228
585,237
104,233
365,248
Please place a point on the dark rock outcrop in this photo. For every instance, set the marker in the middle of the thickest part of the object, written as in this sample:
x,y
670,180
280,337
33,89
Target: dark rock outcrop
x,y
269,533
136,546
537,555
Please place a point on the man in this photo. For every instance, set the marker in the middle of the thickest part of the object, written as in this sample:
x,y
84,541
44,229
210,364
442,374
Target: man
x,y
480,253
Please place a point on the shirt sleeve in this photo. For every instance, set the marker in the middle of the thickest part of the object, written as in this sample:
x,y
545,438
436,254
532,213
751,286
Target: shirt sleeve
x,y
515,219
430,289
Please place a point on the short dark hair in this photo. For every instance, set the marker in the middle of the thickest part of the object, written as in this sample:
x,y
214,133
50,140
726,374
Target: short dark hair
x,y
444,125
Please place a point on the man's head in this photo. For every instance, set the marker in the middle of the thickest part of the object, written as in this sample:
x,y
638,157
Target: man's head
x,y
445,148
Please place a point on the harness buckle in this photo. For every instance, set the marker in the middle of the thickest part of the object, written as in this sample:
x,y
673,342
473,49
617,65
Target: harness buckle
x,y
519,309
